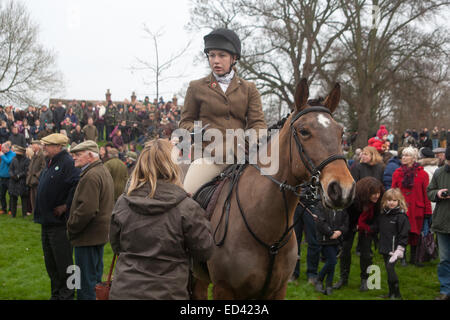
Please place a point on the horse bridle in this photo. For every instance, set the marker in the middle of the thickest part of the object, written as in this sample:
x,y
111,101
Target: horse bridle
x,y
315,171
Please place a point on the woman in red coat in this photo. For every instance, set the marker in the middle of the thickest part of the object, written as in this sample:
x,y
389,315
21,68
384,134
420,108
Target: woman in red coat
x,y
413,181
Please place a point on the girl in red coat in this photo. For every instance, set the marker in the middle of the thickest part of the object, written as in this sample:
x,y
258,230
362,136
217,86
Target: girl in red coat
x,y
413,181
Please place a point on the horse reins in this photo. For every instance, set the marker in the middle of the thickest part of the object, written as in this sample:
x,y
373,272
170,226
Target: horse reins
x,y
314,184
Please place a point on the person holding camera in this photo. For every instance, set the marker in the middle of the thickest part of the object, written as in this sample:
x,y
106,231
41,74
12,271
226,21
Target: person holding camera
x,y
439,191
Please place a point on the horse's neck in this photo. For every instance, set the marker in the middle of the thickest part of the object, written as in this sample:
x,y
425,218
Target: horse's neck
x,y
272,193
281,158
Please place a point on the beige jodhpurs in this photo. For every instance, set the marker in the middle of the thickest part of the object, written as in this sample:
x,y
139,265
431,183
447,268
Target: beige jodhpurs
x,y
200,172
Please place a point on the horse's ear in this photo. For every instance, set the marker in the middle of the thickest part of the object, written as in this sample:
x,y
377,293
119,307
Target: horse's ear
x,y
332,101
301,94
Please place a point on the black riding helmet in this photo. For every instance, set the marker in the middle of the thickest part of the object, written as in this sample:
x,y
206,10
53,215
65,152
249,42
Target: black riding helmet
x,y
223,39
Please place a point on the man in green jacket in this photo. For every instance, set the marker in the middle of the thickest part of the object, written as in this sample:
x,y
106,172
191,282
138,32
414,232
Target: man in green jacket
x,y
118,171
438,191
90,216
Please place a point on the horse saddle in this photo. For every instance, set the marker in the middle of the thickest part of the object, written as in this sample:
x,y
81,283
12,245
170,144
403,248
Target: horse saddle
x,y
208,194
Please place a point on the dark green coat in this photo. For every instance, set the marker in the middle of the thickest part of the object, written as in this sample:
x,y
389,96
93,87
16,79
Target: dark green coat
x,y
90,213
441,214
111,116
119,173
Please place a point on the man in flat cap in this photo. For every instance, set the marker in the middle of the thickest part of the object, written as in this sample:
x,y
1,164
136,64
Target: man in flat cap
x,y
440,154
55,191
90,216
131,159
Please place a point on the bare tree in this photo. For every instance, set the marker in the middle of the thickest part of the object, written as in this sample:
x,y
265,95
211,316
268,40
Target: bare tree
x,y
156,67
283,40
27,69
372,54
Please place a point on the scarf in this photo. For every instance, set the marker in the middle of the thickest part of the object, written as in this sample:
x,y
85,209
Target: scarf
x,y
365,218
408,175
224,81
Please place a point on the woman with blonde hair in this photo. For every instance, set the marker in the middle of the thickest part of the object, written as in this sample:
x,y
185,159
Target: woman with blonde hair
x,y
393,228
370,165
412,180
155,228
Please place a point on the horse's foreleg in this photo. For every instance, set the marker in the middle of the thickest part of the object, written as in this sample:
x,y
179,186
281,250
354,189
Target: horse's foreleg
x,y
199,290
279,294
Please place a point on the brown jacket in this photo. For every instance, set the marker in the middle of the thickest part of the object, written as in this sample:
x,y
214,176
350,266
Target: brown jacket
x,y
154,238
90,132
238,108
92,204
37,164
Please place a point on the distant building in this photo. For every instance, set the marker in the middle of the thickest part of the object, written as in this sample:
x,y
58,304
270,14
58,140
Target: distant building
x,y
68,102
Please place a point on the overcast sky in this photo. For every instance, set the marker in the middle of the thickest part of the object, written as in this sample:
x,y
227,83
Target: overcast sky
x,y
97,42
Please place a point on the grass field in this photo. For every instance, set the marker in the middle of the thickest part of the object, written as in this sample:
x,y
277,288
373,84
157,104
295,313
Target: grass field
x,y
23,275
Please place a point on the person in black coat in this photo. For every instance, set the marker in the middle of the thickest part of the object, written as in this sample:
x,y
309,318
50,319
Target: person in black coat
x,y
17,183
59,115
393,227
77,135
4,132
55,192
425,141
370,165
330,226
17,138
362,220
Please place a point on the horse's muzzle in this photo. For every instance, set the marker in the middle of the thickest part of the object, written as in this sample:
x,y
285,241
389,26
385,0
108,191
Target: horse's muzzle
x,y
338,197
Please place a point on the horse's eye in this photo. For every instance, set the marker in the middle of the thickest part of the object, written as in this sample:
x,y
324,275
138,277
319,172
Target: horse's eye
x,y
304,132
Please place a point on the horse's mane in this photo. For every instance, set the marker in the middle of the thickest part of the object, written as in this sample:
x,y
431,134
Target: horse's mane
x,y
311,103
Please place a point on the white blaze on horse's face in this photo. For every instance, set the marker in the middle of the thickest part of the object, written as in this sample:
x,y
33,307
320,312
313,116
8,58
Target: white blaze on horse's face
x,y
324,121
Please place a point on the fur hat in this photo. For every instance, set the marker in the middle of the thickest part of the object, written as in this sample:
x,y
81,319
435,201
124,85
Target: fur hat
x,y
426,153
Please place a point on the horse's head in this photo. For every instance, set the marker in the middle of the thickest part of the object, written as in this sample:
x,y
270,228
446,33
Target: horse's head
x,y
316,146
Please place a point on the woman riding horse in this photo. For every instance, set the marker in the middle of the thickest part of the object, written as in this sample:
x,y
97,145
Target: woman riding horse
x,y
222,100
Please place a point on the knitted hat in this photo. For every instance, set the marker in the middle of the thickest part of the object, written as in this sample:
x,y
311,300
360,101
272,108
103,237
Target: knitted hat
x,y
382,132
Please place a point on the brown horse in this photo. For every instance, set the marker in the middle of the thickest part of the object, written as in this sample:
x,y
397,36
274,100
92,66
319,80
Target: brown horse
x,y
259,251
